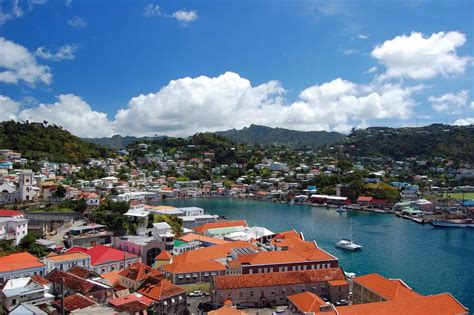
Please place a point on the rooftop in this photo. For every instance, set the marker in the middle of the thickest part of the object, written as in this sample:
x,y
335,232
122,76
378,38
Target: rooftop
x,y
389,289
74,302
212,252
196,237
307,302
19,261
189,267
278,278
67,257
158,289
219,224
101,254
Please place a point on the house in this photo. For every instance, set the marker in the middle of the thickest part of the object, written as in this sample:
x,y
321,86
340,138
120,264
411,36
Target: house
x,y
376,288
13,229
20,265
131,304
163,258
227,309
106,259
134,275
73,284
15,214
201,264
260,290
91,199
24,290
168,298
307,303
67,261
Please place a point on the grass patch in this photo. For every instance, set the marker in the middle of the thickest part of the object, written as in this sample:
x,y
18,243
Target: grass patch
x,y
203,286
468,195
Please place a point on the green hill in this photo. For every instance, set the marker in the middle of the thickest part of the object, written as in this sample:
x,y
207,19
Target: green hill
x,y
37,141
262,135
450,142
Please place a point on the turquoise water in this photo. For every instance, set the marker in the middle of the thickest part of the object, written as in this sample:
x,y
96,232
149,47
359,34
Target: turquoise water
x,y
430,260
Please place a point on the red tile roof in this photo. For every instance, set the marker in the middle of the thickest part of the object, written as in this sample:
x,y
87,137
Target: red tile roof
x,y
278,278
196,237
82,272
212,252
164,255
219,224
131,303
364,199
10,213
74,302
101,254
40,280
71,281
439,304
387,288
139,272
19,261
159,289
307,302
190,267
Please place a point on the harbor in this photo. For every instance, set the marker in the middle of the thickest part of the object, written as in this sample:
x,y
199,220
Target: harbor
x,y
395,248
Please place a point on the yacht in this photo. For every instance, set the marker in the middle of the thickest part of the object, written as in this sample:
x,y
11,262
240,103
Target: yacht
x,y
341,210
348,244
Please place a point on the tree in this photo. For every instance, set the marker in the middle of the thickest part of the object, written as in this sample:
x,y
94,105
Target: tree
x,y
27,241
59,192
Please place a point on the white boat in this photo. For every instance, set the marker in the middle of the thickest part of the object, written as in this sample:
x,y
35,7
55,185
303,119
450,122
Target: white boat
x,y
341,210
348,244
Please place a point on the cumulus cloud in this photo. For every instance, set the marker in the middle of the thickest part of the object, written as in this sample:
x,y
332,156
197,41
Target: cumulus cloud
x,y
74,114
189,105
77,22
66,52
450,103
419,57
464,121
185,17
18,64
9,108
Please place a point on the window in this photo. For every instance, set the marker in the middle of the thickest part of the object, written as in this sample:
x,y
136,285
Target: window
x,y
13,301
251,293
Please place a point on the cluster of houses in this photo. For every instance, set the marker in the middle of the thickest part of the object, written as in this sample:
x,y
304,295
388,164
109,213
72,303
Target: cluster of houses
x,y
242,267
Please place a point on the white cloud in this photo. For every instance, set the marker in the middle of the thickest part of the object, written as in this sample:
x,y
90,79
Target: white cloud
x,y
418,57
372,69
450,103
189,105
350,51
362,36
16,9
77,22
464,121
19,65
9,108
185,17
152,10
74,114
65,52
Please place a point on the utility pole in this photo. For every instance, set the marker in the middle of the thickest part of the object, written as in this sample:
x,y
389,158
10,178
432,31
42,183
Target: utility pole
x,y
63,312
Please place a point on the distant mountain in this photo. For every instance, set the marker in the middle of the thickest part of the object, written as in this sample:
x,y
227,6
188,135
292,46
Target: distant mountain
x,y
116,142
262,135
51,142
437,140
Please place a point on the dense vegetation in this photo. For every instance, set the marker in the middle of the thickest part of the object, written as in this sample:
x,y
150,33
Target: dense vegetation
x,y
51,142
449,142
116,142
265,136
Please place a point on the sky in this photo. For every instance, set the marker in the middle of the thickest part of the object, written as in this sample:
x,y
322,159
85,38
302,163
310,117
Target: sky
x,y
100,68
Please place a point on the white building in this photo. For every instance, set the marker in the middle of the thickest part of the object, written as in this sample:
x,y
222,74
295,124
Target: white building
x,y
191,211
24,290
20,265
13,229
66,261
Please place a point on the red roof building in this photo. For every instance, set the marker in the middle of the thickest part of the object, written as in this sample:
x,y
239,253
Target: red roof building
x,y
105,259
11,213
75,302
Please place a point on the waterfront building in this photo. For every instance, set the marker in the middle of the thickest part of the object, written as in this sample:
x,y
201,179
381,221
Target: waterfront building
x,y
376,288
67,261
105,259
260,290
20,265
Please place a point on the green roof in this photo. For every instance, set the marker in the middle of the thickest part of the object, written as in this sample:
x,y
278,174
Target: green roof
x,y
178,243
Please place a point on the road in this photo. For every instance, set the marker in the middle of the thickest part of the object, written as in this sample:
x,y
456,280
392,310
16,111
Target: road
x,y
58,237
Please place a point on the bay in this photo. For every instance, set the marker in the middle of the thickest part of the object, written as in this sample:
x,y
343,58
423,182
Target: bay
x,y
430,260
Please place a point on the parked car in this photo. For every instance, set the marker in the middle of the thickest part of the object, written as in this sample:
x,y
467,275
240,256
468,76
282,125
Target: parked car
x,y
196,293
341,302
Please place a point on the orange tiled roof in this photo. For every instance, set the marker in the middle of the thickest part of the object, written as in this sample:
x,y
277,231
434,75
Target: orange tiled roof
x,y
19,261
202,266
387,288
159,289
277,278
74,302
212,252
111,277
164,255
227,310
82,272
439,304
139,272
39,279
306,302
68,256
196,237
219,224
336,283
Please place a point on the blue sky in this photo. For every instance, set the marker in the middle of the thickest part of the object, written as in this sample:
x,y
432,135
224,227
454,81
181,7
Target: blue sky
x,y
100,67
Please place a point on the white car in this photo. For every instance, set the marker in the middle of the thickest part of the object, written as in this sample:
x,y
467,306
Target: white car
x,y
196,293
